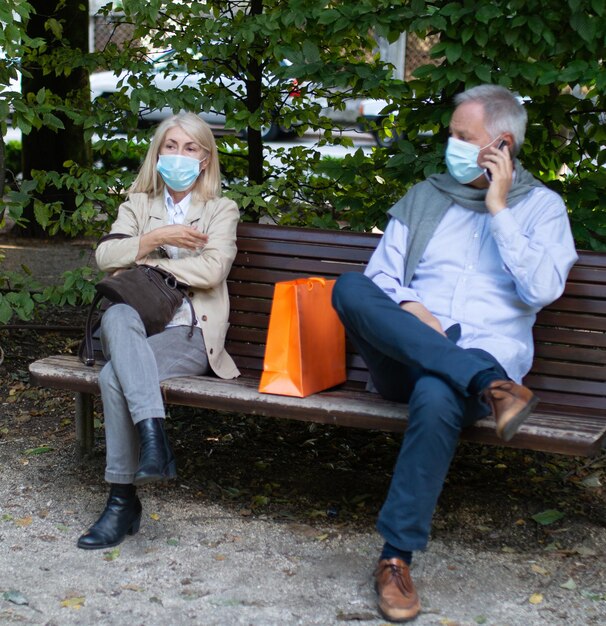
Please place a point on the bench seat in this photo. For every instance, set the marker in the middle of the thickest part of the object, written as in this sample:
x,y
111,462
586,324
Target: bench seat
x,y
568,375
548,432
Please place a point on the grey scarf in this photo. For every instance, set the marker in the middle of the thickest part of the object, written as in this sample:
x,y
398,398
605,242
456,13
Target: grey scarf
x,y
426,203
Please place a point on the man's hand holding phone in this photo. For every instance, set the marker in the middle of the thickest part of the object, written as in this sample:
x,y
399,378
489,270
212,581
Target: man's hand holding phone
x,y
502,144
497,162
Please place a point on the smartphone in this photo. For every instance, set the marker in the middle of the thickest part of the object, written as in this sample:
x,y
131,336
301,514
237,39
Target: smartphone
x,y
502,144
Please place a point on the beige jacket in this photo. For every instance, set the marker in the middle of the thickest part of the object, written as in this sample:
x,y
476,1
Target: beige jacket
x,y
205,272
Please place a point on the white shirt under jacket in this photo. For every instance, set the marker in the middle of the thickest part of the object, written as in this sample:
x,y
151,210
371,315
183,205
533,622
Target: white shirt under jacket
x,y
489,274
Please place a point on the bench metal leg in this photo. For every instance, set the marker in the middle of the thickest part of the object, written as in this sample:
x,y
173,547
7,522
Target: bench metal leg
x,y
84,424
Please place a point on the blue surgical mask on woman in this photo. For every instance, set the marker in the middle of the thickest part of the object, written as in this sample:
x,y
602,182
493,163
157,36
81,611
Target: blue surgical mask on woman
x,y
177,171
462,160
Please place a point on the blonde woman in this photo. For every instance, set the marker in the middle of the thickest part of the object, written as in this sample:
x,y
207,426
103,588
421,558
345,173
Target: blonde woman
x,y
176,219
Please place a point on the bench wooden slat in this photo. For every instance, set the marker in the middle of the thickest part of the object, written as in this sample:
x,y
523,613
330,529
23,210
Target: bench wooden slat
x,y
252,252
586,272
582,306
289,269
349,239
591,258
586,290
592,374
575,386
250,305
266,268
570,353
568,336
247,291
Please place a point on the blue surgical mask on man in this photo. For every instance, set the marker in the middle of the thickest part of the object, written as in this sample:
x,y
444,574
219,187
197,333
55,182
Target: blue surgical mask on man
x,y
462,160
178,172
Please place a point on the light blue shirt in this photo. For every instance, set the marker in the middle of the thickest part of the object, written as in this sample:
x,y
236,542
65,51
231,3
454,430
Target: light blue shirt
x,y
176,215
489,274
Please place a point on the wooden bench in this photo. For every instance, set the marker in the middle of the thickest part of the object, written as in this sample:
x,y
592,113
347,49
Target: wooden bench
x,y
569,371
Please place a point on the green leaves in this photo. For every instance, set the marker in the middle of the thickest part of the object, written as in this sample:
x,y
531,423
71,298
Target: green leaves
x,y
544,50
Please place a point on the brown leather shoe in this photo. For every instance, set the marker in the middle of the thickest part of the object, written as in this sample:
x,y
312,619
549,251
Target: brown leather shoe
x,y
511,404
398,598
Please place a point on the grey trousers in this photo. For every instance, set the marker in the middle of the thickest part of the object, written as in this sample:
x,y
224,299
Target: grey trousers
x,y
130,380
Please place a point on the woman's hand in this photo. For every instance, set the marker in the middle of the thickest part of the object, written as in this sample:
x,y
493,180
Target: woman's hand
x,y
178,235
424,314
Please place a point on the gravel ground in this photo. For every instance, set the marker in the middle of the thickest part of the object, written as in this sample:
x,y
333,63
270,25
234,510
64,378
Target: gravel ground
x,y
195,563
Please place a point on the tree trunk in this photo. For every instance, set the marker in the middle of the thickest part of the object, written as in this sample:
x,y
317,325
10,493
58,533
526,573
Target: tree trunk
x,y
2,174
44,149
253,103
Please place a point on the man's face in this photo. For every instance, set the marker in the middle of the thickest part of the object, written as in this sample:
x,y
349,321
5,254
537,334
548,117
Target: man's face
x,y
467,124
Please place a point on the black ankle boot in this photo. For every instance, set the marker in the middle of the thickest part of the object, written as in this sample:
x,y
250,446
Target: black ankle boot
x,y
121,517
156,459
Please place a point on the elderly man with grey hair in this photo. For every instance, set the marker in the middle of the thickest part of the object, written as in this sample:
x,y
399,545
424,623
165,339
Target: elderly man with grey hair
x,y
443,314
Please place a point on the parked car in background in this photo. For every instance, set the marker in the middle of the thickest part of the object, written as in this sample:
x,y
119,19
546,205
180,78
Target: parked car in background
x,y
371,111
362,114
168,73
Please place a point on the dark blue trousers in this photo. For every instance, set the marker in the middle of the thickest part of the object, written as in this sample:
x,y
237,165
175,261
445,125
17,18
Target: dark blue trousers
x,y
410,362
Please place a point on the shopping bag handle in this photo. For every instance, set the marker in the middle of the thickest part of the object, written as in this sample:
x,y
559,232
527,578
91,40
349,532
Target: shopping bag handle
x,y
317,279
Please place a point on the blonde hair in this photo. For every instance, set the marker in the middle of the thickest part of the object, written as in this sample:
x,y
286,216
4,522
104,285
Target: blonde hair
x,y
208,183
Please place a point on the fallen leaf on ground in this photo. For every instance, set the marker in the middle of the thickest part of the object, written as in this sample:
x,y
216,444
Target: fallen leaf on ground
x,y
536,598
16,597
548,517
569,584
537,569
592,481
76,602
38,450
111,555
584,551
594,596
24,521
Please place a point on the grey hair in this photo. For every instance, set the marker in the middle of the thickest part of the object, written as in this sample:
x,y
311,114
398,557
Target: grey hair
x,y
503,111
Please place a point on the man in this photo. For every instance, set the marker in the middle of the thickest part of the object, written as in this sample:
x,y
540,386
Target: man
x,y
443,314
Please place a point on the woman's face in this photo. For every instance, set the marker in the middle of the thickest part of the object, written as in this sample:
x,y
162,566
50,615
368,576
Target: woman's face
x,y
177,141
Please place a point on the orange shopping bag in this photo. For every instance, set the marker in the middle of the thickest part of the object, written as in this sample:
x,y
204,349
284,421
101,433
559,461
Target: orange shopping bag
x,y
305,350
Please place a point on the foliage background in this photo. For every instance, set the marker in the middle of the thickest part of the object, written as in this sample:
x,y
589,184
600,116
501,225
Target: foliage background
x,y
552,54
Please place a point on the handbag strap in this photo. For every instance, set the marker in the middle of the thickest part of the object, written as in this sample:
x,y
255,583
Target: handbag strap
x,y
88,351
193,314
112,236
88,357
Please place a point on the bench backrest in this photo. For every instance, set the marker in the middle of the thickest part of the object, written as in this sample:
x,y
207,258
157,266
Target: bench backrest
x,y
569,371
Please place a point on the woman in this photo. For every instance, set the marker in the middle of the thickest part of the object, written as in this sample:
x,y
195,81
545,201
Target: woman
x,y
176,220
